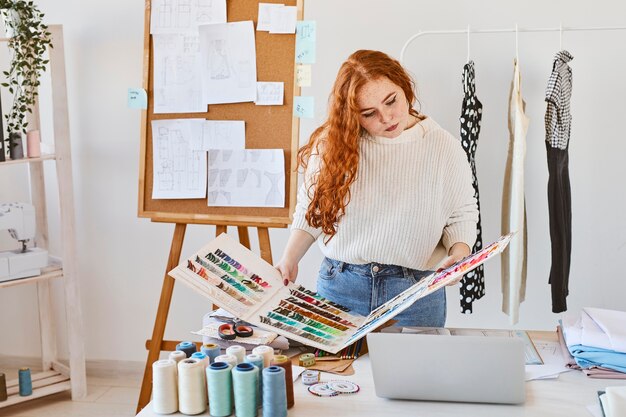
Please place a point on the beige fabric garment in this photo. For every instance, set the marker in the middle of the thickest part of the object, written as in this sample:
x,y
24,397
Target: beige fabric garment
x,y
513,259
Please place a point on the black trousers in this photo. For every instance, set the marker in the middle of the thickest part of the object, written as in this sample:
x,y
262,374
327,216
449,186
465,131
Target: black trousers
x,y
560,212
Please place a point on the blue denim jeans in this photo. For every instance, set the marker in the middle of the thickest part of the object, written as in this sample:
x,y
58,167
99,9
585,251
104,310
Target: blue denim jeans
x,y
362,288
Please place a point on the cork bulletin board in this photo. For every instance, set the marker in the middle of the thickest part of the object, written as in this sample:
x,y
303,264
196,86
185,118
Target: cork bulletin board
x,y
267,127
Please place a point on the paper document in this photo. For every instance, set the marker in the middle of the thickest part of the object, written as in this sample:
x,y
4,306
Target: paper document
x,y
246,178
179,171
228,62
177,74
239,281
223,134
269,93
265,16
179,16
283,19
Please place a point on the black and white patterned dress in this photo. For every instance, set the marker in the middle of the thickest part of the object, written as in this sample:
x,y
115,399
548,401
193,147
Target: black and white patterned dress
x,y
473,283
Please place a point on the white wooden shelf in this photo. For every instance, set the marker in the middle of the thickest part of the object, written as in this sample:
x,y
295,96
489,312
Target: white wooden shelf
x,y
55,377
49,272
44,383
28,160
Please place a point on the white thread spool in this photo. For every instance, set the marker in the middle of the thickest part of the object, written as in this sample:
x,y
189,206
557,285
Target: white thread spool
x,y
192,394
177,355
238,352
164,389
229,359
267,353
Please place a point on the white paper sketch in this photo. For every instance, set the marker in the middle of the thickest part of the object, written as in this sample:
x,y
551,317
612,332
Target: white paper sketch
x,y
180,16
246,178
228,62
269,93
178,171
177,74
264,21
283,19
223,134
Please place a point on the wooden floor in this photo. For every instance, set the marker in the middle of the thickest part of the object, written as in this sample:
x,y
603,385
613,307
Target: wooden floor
x,y
112,391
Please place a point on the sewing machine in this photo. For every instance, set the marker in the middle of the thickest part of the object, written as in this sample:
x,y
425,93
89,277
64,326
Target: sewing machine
x,y
19,220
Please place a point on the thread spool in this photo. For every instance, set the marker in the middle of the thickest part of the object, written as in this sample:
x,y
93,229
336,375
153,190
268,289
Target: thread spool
x,y
267,353
25,382
201,357
257,360
284,362
229,359
211,350
220,386
177,355
310,377
245,389
192,397
33,144
164,387
238,352
187,347
274,392
3,387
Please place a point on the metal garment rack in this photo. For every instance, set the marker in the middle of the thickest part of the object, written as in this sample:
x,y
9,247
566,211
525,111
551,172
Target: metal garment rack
x,y
515,30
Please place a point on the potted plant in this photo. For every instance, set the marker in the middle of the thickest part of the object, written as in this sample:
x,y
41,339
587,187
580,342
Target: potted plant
x,y
28,41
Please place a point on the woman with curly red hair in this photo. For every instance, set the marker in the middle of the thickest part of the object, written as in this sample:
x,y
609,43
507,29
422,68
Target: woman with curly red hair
x,y
384,186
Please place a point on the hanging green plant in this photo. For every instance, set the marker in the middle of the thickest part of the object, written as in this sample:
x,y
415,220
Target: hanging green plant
x,y
28,41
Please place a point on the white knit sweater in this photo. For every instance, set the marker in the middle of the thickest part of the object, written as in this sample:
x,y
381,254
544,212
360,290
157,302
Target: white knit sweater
x,y
411,193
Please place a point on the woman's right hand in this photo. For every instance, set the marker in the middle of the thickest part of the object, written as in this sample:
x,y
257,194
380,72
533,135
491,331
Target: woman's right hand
x,y
288,269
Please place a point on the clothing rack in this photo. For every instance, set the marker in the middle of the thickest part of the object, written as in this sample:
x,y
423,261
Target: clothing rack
x,y
515,30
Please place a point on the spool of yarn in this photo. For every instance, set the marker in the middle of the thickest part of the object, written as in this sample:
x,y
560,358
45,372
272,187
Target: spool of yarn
x,y
229,359
284,362
220,387
164,387
25,382
177,355
201,357
211,350
238,352
274,392
33,144
3,387
267,353
257,360
188,347
245,389
192,395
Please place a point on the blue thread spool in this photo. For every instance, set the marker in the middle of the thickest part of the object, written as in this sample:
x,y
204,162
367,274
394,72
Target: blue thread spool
x,y
201,357
220,385
274,392
257,360
211,350
188,347
246,389
26,384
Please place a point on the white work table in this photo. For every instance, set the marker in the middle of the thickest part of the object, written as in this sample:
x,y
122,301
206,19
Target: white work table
x,y
567,396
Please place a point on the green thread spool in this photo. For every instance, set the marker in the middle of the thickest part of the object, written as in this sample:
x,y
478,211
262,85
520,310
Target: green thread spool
x,y
246,389
220,386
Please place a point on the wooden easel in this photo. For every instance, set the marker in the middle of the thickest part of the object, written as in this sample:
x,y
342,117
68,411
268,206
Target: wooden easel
x,y
156,344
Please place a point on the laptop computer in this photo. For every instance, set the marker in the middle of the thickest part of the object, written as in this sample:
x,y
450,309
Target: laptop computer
x,y
447,368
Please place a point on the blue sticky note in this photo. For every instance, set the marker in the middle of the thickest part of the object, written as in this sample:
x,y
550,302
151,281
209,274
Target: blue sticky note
x,y
304,106
305,42
137,98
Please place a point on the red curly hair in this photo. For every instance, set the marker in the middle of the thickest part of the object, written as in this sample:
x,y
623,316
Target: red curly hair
x,y
337,140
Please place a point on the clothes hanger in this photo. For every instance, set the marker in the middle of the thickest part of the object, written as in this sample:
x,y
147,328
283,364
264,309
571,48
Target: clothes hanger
x,y
468,43
516,45
560,36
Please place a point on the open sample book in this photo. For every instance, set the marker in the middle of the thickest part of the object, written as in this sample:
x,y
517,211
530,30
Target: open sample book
x,y
240,282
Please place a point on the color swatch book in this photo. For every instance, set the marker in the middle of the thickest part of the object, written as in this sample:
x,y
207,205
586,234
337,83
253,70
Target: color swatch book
x,y
240,282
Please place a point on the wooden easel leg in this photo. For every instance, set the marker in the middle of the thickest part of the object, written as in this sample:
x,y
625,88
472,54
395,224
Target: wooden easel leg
x,y
161,317
264,244
220,228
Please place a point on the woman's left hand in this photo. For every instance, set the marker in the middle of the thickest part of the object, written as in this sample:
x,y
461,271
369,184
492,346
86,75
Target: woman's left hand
x,y
457,252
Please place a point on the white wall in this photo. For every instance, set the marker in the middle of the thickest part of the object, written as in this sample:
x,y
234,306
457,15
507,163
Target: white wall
x,y
122,258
